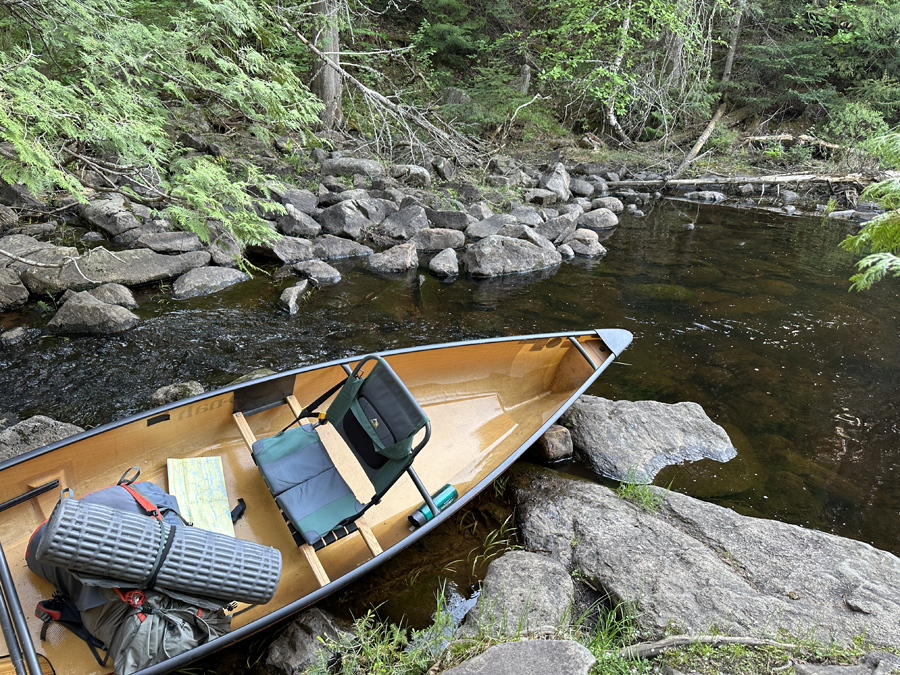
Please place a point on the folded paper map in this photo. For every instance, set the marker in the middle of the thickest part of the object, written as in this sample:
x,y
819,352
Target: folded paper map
x,y
199,485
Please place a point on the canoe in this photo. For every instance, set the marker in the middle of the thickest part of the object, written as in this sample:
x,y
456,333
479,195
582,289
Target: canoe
x,y
487,401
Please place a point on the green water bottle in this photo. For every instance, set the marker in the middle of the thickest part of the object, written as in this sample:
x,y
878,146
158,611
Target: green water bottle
x,y
443,497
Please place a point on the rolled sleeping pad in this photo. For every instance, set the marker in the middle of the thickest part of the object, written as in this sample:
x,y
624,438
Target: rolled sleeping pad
x,y
110,547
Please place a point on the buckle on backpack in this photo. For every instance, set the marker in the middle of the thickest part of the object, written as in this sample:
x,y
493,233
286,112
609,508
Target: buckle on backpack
x,y
134,598
45,614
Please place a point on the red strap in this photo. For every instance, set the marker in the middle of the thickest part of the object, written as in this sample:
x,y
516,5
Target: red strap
x,y
143,502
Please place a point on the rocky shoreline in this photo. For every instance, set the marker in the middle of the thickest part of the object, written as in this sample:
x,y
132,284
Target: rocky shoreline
x,y
394,218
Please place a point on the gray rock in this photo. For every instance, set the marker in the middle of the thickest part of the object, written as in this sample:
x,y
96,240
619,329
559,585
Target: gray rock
x,y
376,210
224,248
454,96
565,251
445,264
503,165
113,294
130,268
293,249
585,243
175,392
489,226
437,239
400,258
746,189
303,201
697,565
522,593
8,218
555,445
612,203
581,188
296,223
557,229
495,255
499,181
329,247
529,657
291,298
557,181
83,314
788,196
540,196
206,280
318,272
8,419
12,291
19,197
480,211
109,214
405,223
169,242
448,220
35,432
17,336
706,196
296,649
29,248
536,238
617,438
412,174
514,230
344,219
598,219
348,166
527,215
252,375
444,168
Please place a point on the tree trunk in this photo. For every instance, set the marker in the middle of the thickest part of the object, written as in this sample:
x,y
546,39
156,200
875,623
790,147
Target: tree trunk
x,y
326,82
732,47
611,118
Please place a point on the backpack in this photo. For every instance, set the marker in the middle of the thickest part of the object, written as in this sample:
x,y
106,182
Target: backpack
x,y
139,628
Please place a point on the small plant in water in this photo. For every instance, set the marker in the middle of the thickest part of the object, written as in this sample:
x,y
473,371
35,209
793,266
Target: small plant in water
x,y
640,492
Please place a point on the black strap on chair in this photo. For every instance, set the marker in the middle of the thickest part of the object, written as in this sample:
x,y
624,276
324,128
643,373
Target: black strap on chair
x,y
307,410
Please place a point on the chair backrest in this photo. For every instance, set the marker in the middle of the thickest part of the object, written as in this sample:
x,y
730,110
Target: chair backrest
x,y
378,418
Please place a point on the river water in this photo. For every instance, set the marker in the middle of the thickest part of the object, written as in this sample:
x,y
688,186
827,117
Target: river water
x,y
747,314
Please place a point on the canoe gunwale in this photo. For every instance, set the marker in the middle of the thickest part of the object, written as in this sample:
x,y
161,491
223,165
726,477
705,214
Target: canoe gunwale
x,y
615,341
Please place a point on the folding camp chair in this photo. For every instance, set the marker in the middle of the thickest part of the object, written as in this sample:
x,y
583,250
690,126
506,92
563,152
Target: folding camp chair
x,y
377,417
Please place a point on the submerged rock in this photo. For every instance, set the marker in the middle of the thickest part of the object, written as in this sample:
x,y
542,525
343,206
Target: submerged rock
x,y
398,259
291,298
700,566
175,392
445,264
635,440
318,272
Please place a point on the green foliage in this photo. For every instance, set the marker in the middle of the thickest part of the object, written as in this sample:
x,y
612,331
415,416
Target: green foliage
x,y
97,85
641,493
880,236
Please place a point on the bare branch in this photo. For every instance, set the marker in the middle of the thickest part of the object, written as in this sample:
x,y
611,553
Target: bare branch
x,y
645,650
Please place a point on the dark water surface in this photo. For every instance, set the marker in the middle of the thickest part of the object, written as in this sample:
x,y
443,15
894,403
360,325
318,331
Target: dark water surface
x,y
746,314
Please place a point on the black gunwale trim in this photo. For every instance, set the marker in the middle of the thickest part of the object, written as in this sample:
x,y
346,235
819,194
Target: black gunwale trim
x,y
620,338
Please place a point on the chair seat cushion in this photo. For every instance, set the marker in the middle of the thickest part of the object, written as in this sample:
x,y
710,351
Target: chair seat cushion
x,y
291,458
316,506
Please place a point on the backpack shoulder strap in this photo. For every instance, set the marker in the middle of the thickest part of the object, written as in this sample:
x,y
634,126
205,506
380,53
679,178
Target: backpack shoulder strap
x,y
60,609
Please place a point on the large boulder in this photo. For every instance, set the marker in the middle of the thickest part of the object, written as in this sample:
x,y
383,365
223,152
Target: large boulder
x,y
412,174
530,657
598,219
405,223
489,226
699,566
445,264
400,258
345,219
303,201
557,181
205,281
35,432
318,272
114,294
522,593
348,166
130,268
293,249
585,243
620,439
558,228
329,247
496,255
169,242
83,314
111,214
448,220
436,239
175,392
614,204
12,291
8,218
28,248
296,223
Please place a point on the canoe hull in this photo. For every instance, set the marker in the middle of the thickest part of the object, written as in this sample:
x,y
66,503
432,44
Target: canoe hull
x,y
488,401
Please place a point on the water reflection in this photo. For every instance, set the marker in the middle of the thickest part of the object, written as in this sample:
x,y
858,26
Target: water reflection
x,y
746,314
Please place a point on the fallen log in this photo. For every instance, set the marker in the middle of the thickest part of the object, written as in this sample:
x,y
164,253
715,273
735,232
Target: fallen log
x,y
802,139
753,180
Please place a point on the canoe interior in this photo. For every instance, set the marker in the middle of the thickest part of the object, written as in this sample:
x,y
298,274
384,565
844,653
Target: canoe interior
x,y
484,401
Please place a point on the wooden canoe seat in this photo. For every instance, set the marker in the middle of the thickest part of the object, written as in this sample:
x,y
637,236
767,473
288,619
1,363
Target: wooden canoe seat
x,y
377,417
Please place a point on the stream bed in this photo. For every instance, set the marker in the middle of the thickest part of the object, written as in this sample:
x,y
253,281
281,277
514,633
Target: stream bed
x,y
746,313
